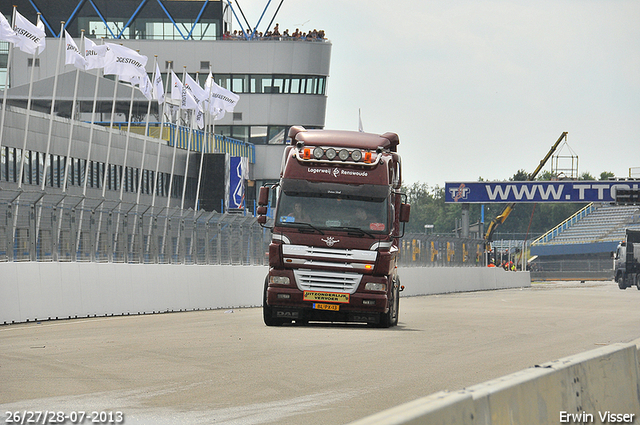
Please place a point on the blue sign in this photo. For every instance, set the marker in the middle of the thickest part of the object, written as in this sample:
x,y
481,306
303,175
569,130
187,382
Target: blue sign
x,y
237,176
536,191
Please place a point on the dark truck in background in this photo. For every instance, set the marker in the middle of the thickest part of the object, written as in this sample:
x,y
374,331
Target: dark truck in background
x,y
626,261
339,216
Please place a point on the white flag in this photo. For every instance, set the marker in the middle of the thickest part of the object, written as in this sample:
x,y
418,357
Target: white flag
x,y
94,55
178,92
29,38
6,32
41,44
124,62
220,99
157,87
198,93
73,55
143,82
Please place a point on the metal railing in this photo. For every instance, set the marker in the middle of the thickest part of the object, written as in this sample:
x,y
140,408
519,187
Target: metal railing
x,y
56,228
420,250
35,226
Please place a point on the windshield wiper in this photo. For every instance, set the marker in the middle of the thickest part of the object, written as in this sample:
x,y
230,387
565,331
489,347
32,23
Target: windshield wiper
x,y
304,226
356,230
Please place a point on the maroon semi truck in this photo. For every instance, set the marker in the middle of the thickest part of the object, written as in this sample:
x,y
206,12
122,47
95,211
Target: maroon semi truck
x,y
339,215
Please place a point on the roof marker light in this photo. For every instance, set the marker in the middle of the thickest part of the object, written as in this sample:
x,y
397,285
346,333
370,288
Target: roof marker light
x,y
306,153
367,157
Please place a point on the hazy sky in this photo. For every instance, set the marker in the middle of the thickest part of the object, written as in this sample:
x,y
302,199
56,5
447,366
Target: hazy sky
x,y
481,88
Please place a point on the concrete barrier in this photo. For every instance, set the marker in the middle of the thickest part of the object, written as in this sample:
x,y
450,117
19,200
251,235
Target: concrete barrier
x,y
41,291
443,280
57,290
600,386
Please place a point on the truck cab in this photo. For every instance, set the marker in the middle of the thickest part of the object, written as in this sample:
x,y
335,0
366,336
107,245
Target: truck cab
x,y
626,260
338,219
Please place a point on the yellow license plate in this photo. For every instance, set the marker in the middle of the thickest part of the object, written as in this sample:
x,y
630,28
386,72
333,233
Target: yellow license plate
x,y
332,307
331,297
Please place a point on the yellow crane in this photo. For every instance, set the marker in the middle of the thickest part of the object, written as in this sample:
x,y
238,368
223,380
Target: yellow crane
x,y
488,237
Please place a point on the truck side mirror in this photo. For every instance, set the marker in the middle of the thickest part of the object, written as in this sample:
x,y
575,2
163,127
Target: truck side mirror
x,y
263,202
263,196
405,212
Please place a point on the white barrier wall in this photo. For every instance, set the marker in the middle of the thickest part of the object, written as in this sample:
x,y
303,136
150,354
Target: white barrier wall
x,y
40,291
443,280
599,386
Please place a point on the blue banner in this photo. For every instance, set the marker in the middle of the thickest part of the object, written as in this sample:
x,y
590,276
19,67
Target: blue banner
x,y
237,175
536,191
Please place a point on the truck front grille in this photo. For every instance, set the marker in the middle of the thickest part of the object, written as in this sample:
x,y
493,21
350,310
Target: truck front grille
x,y
320,280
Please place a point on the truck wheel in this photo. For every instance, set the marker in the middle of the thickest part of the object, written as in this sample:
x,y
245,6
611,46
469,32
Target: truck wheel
x,y
396,304
622,282
638,281
267,312
390,318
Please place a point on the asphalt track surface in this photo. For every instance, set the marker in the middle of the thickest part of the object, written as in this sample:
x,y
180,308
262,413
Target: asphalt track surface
x,y
226,367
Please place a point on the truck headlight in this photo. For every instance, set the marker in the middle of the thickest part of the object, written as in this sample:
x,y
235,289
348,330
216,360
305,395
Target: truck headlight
x,y
279,280
375,286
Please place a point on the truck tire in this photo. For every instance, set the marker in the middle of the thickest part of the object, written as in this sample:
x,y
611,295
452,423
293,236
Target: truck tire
x,y
638,281
396,302
390,318
267,312
622,281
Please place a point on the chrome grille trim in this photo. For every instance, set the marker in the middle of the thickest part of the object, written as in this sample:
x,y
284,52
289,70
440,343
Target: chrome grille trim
x,y
321,280
329,253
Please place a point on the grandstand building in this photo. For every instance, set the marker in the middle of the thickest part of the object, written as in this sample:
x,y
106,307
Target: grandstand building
x,y
581,247
281,82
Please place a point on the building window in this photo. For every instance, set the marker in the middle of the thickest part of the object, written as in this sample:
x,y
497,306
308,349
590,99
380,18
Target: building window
x,y
277,134
240,132
204,64
30,62
258,134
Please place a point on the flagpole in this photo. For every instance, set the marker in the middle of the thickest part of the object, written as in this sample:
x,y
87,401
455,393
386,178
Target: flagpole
x,y
144,143
156,175
160,141
28,115
68,157
208,117
6,80
173,160
173,164
53,104
113,111
93,120
126,145
186,167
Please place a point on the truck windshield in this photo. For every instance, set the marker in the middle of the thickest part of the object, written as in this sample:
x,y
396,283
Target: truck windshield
x,y
331,211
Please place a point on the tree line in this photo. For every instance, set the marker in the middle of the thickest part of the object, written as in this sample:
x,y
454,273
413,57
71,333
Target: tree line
x,y
525,221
